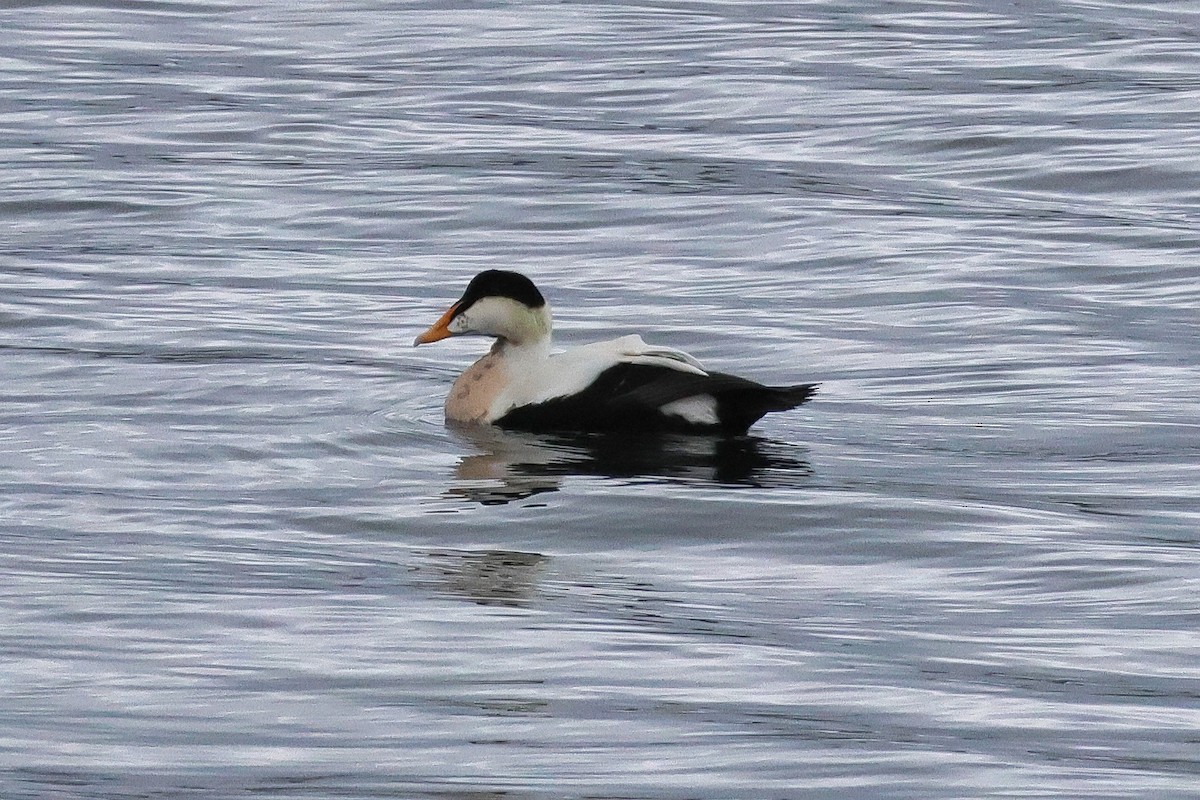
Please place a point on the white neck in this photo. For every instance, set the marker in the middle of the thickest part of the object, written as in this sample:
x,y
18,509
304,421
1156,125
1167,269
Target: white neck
x,y
533,348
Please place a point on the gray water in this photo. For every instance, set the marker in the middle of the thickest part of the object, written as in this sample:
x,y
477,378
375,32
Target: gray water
x,y
243,556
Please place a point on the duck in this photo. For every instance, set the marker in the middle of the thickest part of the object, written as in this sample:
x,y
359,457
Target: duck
x,y
622,384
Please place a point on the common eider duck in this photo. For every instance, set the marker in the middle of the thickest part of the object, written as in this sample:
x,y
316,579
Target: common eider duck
x,y
618,385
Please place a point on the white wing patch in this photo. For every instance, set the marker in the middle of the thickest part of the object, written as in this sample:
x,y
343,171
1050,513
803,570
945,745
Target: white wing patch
x,y
632,350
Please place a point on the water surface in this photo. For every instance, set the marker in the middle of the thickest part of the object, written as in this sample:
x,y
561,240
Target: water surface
x,y
244,557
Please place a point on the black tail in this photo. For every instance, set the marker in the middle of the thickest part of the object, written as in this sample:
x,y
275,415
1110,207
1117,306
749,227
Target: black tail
x,y
741,407
788,397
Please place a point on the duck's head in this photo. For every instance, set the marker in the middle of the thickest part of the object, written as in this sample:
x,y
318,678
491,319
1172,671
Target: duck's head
x,y
496,303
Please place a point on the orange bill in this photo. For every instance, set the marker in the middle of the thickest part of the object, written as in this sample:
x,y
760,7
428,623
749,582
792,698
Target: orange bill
x,y
438,330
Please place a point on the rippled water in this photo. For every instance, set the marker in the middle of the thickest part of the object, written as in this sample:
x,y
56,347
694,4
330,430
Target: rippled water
x,y
243,556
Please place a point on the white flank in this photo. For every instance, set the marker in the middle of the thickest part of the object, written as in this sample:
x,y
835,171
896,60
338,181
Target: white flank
x,y
700,409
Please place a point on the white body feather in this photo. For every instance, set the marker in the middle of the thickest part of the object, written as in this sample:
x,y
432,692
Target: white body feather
x,y
535,375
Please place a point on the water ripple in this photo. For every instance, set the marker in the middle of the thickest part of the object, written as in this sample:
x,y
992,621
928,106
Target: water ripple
x,y
245,556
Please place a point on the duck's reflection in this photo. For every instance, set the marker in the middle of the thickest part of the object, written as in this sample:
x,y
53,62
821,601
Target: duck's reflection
x,y
513,465
489,577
